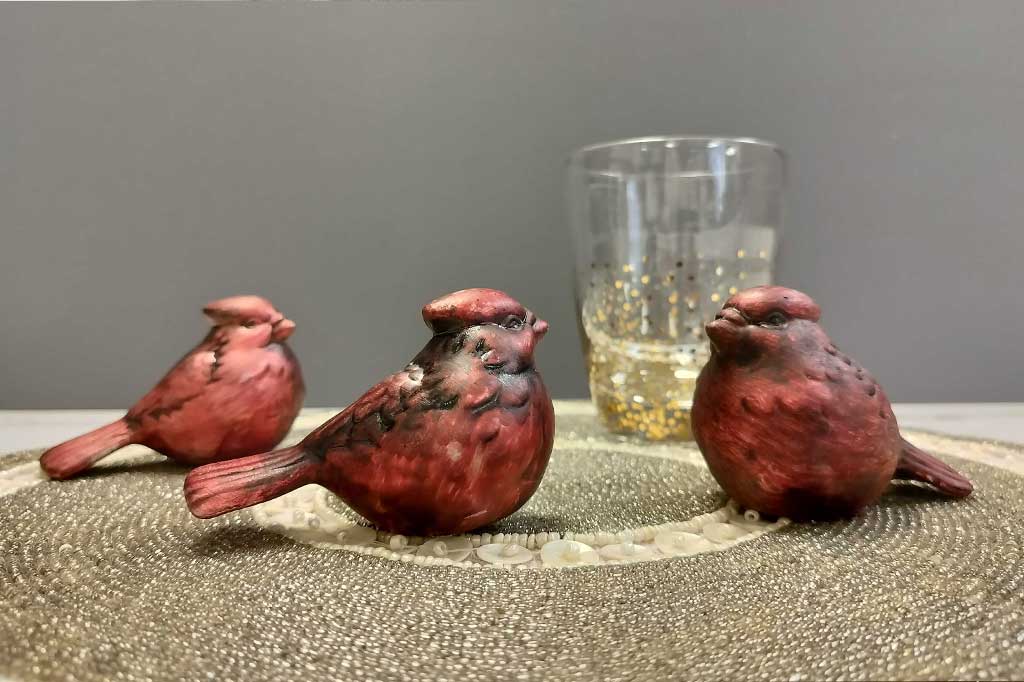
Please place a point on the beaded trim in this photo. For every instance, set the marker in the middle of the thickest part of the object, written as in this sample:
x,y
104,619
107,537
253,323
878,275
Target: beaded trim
x,y
305,516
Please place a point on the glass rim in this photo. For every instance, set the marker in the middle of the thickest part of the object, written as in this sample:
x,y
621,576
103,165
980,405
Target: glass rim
x,y
578,154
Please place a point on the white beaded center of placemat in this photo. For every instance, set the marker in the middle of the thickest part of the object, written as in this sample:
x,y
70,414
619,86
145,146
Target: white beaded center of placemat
x,y
305,516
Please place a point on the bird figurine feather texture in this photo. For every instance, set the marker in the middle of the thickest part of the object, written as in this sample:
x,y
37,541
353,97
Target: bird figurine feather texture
x,y
456,440
791,426
237,391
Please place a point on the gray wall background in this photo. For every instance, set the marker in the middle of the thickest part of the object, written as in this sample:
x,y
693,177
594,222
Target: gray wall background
x,y
352,161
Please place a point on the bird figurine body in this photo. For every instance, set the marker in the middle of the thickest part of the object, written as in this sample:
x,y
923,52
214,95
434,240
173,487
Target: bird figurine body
x,y
457,440
789,425
239,390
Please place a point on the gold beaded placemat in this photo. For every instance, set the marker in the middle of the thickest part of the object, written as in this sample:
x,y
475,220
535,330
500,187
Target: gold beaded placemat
x,y
109,577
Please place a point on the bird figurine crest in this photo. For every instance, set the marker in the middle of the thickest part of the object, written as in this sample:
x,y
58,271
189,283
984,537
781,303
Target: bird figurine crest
x,y
456,440
789,425
237,391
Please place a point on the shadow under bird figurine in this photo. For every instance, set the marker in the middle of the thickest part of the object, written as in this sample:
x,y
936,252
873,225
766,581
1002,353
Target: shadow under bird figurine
x,y
239,390
458,439
789,425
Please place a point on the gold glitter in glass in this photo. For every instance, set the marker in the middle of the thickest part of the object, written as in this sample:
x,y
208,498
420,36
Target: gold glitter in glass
x,y
645,341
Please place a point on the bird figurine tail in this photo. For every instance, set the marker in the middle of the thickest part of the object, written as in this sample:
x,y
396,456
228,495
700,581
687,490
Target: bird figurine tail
x,y
221,487
78,454
917,465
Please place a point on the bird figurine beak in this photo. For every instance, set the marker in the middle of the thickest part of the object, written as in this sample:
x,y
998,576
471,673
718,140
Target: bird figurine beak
x,y
540,328
725,325
283,328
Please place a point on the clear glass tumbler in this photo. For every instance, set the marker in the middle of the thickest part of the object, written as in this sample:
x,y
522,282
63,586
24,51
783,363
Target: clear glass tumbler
x,y
665,229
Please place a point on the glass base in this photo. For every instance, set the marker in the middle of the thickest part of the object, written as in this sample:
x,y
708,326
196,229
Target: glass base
x,y
644,394
655,424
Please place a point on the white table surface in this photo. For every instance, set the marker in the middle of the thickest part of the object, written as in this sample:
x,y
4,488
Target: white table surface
x,y
24,429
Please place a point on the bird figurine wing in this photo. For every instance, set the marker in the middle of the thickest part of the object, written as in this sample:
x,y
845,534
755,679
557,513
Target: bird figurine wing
x,y
373,414
225,486
183,383
837,390
370,416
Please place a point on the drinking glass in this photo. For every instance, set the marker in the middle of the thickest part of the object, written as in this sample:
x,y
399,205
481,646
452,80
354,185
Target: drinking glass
x,y
664,230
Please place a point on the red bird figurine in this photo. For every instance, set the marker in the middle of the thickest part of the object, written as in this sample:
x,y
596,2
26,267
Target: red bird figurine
x,y
458,439
789,425
237,391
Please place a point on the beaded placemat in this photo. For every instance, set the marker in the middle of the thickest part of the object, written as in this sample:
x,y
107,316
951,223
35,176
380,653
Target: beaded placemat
x,y
109,577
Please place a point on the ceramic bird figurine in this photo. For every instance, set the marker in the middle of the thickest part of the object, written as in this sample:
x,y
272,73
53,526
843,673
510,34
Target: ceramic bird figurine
x,y
789,425
458,439
237,391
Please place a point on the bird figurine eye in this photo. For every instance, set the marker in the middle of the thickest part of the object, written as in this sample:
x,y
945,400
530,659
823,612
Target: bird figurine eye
x,y
775,320
513,322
